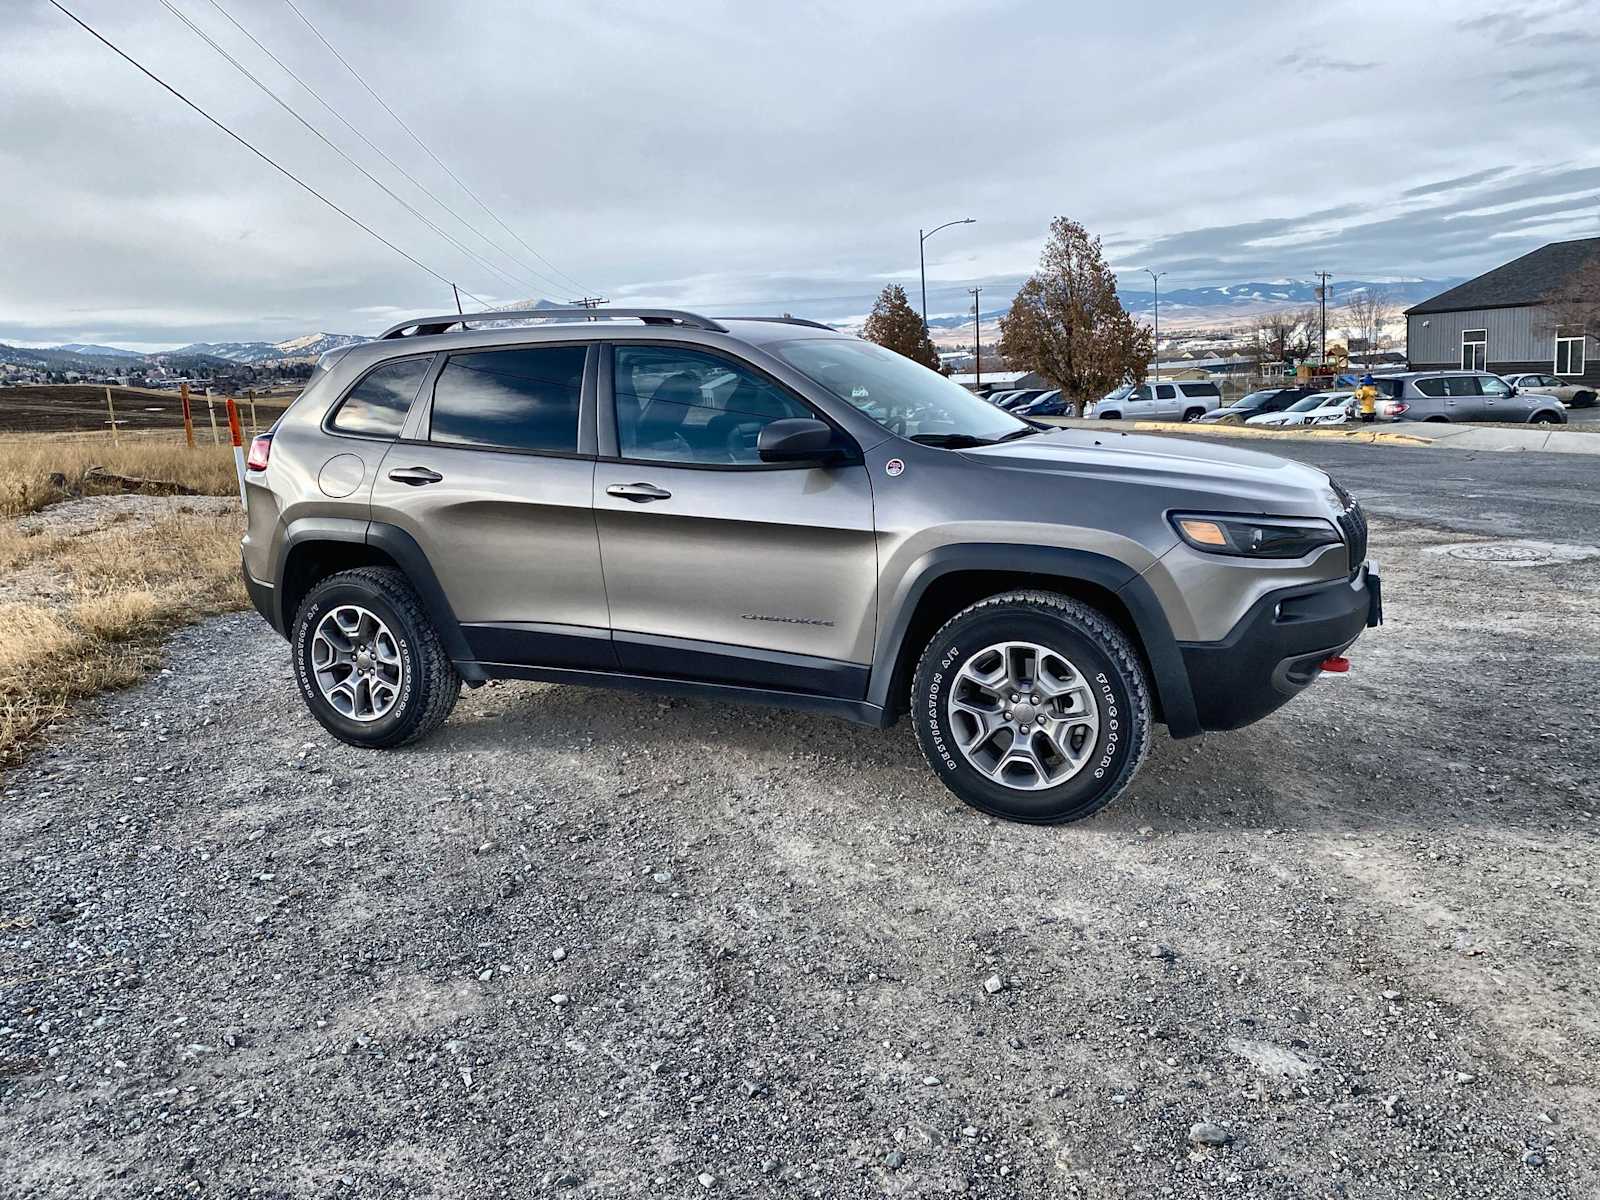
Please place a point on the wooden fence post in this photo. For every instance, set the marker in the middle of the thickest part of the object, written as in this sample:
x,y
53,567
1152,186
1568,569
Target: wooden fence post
x,y
111,413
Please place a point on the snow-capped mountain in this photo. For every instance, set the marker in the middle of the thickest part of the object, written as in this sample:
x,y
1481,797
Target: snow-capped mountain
x,y
94,351
308,346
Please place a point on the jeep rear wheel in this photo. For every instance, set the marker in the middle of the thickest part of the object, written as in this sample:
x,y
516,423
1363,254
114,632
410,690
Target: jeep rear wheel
x,y
368,661
1032,706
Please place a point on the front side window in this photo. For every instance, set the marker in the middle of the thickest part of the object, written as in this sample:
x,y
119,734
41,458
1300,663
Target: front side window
x,y
1569,355
685,406
377,406
522,399
1493,387
1474,349
902,396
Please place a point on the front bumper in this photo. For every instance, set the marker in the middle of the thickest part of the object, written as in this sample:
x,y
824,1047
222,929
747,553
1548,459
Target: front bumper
x,y
1276,649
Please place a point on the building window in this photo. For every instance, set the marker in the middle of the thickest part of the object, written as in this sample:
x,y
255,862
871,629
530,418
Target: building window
x,y
1474,349
1569,354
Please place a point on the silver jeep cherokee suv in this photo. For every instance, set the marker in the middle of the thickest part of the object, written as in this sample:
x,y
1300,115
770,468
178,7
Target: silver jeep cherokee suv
x,y
766,510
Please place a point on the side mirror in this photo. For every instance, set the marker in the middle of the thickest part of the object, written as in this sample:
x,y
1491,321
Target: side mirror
x,y
1514,389
797,439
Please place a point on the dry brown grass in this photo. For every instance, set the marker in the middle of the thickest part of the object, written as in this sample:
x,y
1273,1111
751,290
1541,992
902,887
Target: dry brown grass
x,y
27,462
101,600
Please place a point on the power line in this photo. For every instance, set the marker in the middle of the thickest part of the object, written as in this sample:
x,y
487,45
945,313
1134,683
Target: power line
x,y
582,287
337,149
378,150
284,171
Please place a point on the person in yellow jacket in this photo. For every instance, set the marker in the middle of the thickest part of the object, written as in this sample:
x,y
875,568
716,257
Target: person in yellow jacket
x,y
1367,399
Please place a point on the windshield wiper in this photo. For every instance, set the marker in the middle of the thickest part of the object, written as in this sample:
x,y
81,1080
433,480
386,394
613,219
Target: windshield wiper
x,y
1022,433
950,441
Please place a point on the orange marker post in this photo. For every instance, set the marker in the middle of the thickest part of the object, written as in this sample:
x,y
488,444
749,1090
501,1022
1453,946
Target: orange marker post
x,y
238,447
188,417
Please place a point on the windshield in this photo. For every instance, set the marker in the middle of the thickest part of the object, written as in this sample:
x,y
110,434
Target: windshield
x,y
902,396
1311,402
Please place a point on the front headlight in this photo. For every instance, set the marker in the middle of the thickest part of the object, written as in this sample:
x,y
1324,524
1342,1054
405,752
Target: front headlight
x,y
1247,537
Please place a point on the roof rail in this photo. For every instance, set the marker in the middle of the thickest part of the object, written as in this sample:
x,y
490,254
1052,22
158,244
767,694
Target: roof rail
x,y
786,319
422,326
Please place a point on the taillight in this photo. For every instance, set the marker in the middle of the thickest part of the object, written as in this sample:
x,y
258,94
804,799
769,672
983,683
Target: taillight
x,y
1400,406
260,451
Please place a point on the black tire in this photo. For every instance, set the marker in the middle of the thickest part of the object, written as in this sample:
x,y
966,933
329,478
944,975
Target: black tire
x,y
1584,399
1089,641
1194,414
1543,418
1110,416
429,684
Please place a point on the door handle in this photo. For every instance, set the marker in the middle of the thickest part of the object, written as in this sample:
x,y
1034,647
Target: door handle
x,y
639,493
415,476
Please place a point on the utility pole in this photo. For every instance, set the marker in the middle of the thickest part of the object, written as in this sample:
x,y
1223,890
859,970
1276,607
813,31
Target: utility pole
x,y
1155,338
588,302
977,340
1322,298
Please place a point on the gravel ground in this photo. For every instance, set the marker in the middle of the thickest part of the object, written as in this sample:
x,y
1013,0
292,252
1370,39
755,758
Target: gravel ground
x,y
586,943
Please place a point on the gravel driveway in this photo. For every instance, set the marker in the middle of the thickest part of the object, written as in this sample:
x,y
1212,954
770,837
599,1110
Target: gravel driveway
x,y
587,943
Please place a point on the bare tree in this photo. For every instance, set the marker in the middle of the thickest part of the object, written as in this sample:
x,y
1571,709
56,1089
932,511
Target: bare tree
x,y
1365,314
1573,308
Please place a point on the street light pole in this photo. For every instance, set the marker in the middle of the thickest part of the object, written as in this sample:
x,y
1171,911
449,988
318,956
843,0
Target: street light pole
x,y
922,262
1155,337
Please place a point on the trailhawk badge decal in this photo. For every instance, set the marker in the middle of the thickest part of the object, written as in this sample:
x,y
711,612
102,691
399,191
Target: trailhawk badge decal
x,y
894,466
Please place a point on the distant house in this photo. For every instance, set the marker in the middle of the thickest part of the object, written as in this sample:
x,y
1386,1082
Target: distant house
x,y
1517,317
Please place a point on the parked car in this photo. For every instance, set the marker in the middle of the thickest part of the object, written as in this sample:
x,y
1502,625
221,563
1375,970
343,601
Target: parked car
x,y
1267,400
1306,410
1465,396
1160,401
787,515
1017,400
1050,404
1574,393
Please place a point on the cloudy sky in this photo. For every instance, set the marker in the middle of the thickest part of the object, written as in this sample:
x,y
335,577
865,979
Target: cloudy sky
x,y
753,156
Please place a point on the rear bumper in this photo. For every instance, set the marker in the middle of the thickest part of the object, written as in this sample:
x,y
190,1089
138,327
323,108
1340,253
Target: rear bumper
x,y
1274,652
263,596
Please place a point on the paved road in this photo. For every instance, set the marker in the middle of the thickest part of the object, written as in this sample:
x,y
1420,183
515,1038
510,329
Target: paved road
x,y
1553,497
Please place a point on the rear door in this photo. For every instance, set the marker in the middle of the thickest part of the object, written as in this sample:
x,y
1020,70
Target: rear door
x,y
493,479
1468,403
718,566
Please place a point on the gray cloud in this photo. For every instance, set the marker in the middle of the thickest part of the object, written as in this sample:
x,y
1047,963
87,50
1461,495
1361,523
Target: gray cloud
x,y
738,156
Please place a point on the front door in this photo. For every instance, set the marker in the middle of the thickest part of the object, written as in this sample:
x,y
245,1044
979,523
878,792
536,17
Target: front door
x,y
718,566
494,483
1141,403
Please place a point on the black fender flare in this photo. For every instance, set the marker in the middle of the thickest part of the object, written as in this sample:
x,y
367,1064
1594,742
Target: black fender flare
x,y
1170,677
402,548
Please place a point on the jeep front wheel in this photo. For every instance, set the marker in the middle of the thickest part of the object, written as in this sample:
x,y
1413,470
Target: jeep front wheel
x,y
1032,706
369,664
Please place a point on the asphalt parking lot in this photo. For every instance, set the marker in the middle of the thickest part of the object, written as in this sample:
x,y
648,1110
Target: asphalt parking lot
x,y
591,944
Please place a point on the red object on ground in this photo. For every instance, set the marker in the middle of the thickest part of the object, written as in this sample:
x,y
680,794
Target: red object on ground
x,y
233,423
1336,663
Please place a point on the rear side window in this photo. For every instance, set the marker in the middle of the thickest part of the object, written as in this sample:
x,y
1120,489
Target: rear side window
x,y
377,406
1166,392
1461,385
524,399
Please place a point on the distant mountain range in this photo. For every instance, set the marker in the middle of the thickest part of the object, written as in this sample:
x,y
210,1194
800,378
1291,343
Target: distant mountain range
x,y
81,356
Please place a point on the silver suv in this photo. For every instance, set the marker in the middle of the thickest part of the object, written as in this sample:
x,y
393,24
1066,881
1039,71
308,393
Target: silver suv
x,y
1465,396
765,510
1160,400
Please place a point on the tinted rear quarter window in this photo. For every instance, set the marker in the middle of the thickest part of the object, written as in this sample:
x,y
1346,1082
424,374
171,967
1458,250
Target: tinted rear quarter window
x,y
523,399
1430,387
377,406
1201,389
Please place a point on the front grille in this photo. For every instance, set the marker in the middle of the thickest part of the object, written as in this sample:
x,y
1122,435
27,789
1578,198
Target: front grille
x,y
1353,525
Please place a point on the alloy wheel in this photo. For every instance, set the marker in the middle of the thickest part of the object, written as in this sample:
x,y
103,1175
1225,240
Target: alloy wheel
x,y
356,663
1023,715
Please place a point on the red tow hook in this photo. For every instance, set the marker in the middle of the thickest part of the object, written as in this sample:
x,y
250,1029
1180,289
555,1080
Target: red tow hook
x,y
1338,664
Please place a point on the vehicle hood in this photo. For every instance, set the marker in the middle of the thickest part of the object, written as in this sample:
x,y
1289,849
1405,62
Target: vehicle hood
x,y
1194,473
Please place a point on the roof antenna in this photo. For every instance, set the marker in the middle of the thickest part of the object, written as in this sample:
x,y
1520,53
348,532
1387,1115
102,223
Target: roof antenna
x,y
457,292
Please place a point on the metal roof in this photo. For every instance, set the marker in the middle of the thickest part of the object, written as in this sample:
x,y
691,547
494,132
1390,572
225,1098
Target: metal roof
x,y
1521,282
